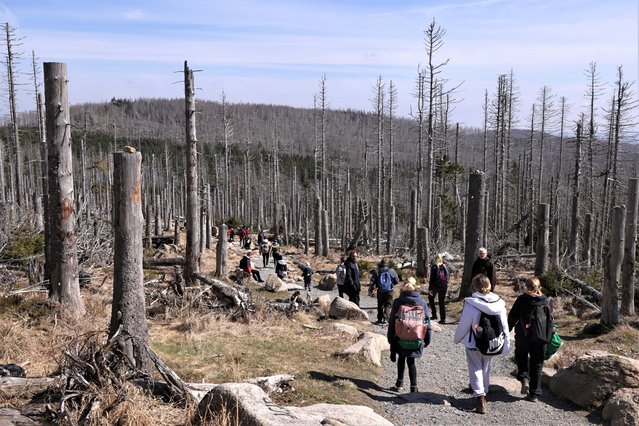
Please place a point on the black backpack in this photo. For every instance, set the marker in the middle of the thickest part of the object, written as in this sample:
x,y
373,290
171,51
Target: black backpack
x,y
244,262
489,335
538,327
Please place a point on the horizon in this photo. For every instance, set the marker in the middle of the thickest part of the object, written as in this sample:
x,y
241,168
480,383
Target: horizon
x,y
276,52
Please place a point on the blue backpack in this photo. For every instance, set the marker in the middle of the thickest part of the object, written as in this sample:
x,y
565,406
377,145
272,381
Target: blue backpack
x,y
385,282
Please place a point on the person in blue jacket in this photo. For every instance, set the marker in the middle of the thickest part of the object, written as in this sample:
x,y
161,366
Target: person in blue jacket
x,y
409,296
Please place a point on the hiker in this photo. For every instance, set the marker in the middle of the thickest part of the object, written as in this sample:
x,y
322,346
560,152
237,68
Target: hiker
x,y
383,279
275,252
408,350
469,330
483,265
246,264
265,251
352,275
231,233
261,238
531,336
281,269
340,273
246,241
307,274
438,286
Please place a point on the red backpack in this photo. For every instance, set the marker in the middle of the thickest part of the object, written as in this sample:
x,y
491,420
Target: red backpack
x,y
411,326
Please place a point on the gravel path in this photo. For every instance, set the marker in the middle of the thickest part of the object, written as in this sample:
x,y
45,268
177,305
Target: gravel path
x,y
442,378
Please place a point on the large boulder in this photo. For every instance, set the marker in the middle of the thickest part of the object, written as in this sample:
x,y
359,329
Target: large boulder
x,y
328,283
369,346
344,309
323,302
275,284
592,378
622,407
248,404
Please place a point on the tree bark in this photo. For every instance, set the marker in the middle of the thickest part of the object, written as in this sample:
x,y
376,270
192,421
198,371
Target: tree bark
x,y
192,255
543,218
628,268
221,253
612,268
64,285
128,308
474,228
422,252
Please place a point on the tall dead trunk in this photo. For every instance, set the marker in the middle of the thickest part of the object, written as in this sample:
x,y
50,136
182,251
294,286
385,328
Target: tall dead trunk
x,y
318,227
192,255
628,268
474,228
543,219
64,284
574,225
422,252
221,252
128,309
15,136
612,268
325,236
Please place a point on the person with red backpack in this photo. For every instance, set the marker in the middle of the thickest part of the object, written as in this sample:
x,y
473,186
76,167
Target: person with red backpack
x,y
409,332
483,327
383,279
438,286
531,317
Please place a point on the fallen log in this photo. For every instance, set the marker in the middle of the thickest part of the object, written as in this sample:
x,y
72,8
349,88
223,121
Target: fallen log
x,y
14,386
584,287
224,291
165,261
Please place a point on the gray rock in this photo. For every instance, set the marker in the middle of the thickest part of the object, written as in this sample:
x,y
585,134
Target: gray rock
x,y
345,328
370,347
274,284
622,408
324,303
344,309
328,283
351,415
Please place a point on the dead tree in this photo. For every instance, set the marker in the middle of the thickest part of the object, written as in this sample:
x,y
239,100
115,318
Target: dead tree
x,y
612,268
318,227
574,226
64,284
543,218
221,253
474,229
628,268
192,255
325,236
18,192
422,252
128,308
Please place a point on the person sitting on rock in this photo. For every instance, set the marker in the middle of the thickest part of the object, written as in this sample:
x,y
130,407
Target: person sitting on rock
x,y
246,265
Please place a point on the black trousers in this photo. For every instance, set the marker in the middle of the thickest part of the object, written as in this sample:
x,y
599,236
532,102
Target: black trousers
x,y
530,361
412,369
384,304
340,290
265,259
441,296
256,275
353,295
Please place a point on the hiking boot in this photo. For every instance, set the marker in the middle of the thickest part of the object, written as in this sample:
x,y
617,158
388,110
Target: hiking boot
x,y
399,386
524,386
413,389
532,398
433,318
481,404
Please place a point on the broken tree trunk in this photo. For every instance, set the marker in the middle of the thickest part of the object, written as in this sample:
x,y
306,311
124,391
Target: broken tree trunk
x,y
628,267
612,268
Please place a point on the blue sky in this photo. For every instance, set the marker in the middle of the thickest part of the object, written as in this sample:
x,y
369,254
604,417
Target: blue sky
x,y
276,51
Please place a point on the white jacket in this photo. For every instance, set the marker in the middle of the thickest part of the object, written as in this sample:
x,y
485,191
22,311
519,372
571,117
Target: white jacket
x,y
490,304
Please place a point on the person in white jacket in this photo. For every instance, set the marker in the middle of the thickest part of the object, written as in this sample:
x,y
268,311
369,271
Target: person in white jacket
x,y
482,300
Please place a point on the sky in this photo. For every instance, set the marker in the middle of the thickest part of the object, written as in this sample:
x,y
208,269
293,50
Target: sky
x,y
276,51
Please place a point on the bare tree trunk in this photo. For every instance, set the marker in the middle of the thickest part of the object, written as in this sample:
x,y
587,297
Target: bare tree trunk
x,y
149,233
587,238
422,252
628,268
318,227
574,226
176,232
17,153
612,269
221,253
64,285
412,232
474,229
543,218
128,309
325,236
192,256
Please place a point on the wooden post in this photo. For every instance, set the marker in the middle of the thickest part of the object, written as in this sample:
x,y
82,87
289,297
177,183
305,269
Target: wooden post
x,y
628,268
221,252
612,268
474,227
192,256
422,252
542,251
64,284
128,309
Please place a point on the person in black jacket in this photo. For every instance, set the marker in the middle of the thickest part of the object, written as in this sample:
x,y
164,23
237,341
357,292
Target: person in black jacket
x,y
352,275
383,279
483,265
528,369
409,296
438,286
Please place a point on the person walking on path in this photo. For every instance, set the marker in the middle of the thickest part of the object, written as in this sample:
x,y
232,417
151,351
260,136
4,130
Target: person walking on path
x,y
438,286
352,275
530,349
483,265
340,273
409,296
481,301
307,274
265,251
383,279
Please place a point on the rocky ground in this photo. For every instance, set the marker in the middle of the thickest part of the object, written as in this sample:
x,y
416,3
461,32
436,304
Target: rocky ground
x,y
444,397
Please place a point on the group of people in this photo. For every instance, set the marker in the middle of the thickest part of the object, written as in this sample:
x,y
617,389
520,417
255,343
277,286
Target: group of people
x,y
481,313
